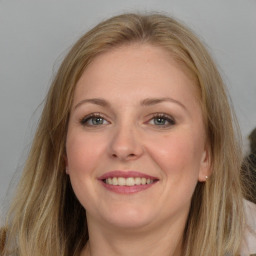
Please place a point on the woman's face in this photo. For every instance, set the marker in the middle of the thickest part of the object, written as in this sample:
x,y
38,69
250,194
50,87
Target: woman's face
x,y
136,144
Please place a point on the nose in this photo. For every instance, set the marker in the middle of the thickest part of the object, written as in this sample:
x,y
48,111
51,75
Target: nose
x,y
125,144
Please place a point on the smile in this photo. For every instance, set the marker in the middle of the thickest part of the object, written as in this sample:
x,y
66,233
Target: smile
x,y
130,181
127,182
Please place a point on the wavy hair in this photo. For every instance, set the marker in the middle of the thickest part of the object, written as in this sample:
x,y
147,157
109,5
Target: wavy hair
x,y
46,218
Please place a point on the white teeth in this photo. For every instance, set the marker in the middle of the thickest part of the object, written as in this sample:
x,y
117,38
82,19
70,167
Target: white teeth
x,y
121,181
114,181
131,181
137,181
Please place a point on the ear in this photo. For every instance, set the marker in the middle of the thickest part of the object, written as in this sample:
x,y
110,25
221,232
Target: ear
x,y
66,164
205,165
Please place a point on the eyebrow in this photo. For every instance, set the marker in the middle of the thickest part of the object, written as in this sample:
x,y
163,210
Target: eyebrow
x,y
96,101
145,102
154,101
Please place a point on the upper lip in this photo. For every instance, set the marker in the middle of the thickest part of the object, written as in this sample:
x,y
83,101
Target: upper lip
x,y
126,174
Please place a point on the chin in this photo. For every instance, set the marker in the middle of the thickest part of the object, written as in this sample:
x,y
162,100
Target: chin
x,y
129,219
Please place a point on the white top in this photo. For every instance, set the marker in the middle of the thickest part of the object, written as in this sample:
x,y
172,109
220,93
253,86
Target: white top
x,y
249,243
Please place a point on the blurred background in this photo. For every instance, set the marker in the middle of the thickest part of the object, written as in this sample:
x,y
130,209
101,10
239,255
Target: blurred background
x,y
36,35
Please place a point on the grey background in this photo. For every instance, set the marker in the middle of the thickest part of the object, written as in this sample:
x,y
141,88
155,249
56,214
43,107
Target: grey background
x,y
35,35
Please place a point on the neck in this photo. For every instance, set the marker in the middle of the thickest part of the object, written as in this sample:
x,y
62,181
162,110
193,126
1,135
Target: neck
x,y
164,241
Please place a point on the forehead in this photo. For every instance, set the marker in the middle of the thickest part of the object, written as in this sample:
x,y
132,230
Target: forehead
x,y
136,53
136,70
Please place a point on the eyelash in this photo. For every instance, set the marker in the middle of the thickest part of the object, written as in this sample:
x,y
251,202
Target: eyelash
x,y
163,117
166,118
85,120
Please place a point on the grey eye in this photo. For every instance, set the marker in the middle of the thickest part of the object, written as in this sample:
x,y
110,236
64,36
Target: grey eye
x,y
160,121
96,120
93,120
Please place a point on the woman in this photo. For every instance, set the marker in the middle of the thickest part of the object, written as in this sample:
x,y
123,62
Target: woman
x,y
136,151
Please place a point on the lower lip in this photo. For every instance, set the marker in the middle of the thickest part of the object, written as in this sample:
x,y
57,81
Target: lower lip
x,y
126,189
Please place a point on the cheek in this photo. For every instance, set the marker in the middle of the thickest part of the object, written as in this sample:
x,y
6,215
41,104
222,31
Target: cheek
x,y
178,154
83,153
82,157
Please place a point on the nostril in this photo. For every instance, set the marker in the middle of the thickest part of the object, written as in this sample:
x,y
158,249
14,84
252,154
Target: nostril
x,y
125,156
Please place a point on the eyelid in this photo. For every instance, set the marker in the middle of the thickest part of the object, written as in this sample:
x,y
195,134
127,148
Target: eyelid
x,y
170,119
85,118
162,114
165,116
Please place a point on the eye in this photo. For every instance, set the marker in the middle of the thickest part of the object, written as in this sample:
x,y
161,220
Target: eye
x,y
93,120
162,120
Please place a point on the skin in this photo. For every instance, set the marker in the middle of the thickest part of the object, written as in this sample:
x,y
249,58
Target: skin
x,y
130,137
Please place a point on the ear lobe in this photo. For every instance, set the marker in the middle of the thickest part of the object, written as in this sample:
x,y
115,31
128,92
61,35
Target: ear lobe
x,y
205,166
66,164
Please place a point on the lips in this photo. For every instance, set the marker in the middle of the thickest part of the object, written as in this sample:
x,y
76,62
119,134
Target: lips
x,y
130,181
127,181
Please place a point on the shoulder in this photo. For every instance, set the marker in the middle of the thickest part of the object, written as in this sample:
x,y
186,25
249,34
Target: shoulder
x,y
249,242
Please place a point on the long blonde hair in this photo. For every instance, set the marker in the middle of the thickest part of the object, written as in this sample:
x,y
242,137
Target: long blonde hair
x,y
47,219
